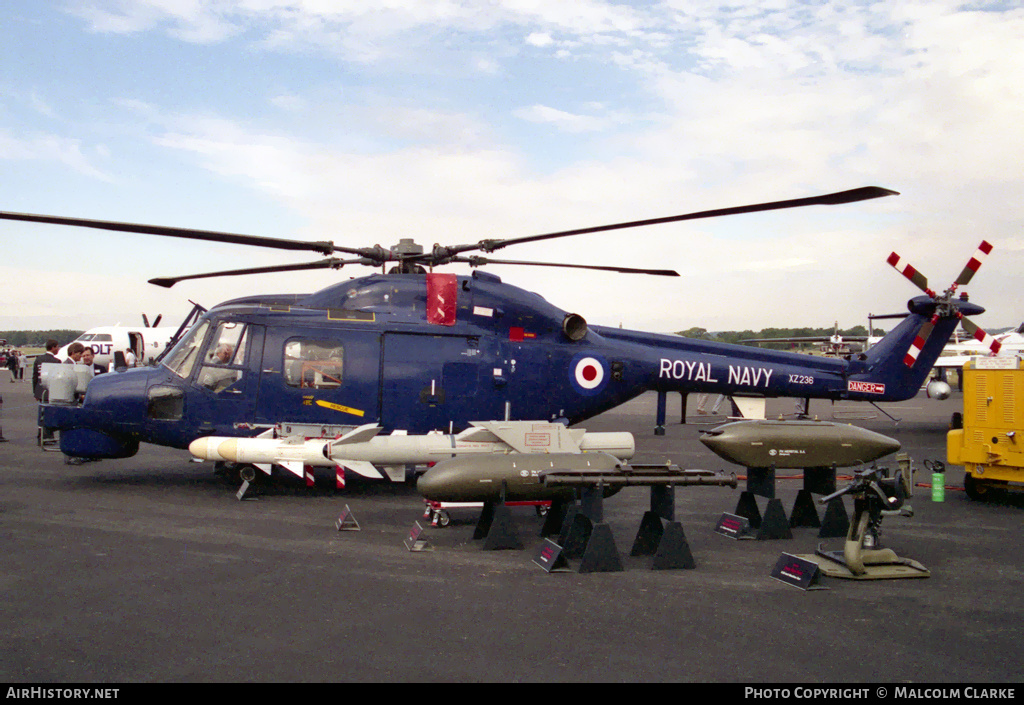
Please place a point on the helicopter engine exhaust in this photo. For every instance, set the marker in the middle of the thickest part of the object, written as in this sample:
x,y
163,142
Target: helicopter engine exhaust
x,y
574,326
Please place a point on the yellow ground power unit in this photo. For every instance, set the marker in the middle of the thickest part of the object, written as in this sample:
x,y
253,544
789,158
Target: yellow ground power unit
x,y
988,437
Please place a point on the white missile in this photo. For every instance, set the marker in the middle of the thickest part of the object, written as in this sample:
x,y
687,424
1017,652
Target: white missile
x,y
363,448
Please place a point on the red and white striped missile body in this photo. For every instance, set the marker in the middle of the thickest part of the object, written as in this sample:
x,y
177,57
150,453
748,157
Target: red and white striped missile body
x,y
363,450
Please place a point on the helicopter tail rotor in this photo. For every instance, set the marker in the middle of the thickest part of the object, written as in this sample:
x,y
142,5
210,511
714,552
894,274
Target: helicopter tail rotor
x,y
944,304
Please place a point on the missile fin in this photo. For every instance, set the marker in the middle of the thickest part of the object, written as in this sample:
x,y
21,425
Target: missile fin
x,y
359,435
297,467
478,434
361,467
265,467
395,473
532,436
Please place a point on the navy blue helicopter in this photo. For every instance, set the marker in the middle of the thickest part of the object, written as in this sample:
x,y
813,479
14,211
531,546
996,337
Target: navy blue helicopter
x,y
417,350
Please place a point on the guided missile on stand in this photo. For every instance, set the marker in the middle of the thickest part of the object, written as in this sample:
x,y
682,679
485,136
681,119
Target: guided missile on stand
x,y
362,450
797,444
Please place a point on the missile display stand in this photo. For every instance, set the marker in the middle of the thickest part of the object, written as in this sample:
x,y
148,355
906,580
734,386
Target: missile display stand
x,y
660,535
496,526
773,524
586,536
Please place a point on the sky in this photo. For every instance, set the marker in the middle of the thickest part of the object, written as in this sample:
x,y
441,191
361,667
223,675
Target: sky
x,y
451,121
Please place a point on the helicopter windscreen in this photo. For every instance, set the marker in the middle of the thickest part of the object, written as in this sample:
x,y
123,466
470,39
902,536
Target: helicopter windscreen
x,y
182,357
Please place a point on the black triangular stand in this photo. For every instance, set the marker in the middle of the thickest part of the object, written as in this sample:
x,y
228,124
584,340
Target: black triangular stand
x,y
483,524
836,523
774,525
570,516
555,518
648,537
601,556
549,557
804,512
746,507
502,533
577,538
673,550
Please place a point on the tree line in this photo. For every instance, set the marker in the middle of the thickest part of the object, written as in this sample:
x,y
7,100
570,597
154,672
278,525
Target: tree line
x,y
38,338
735,336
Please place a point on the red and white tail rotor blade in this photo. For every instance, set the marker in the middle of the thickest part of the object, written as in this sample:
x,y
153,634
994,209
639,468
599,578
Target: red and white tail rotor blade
x,y
918,345
903,267
981,336
972,266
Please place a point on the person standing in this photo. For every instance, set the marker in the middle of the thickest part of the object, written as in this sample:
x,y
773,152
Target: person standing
x,y
12,363
52,346
74,353
88,359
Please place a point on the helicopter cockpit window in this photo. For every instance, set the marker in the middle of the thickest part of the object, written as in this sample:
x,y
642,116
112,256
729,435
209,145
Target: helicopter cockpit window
x,y
225,356
313,364
182,359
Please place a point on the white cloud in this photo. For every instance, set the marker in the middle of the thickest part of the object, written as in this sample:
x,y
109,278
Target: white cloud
x,y
52,148
289,103
567,122
539,39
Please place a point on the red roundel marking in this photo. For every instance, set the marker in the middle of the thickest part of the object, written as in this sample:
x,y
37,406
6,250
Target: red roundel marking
x,y
589,373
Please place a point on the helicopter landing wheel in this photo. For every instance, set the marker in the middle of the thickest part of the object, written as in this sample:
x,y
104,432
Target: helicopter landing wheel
x,y
236,473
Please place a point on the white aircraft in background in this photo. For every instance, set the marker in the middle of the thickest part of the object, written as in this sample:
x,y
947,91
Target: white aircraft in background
x,y
955,355
146,342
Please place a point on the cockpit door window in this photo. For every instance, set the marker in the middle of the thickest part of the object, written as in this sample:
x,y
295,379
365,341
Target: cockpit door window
x,y
224,362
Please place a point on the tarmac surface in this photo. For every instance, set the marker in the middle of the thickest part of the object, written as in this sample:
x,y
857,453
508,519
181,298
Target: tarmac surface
x,y
148,569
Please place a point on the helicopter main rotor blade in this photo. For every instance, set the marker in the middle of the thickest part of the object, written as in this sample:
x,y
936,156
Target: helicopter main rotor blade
x,y
333,263
325,248
829,199
480,261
